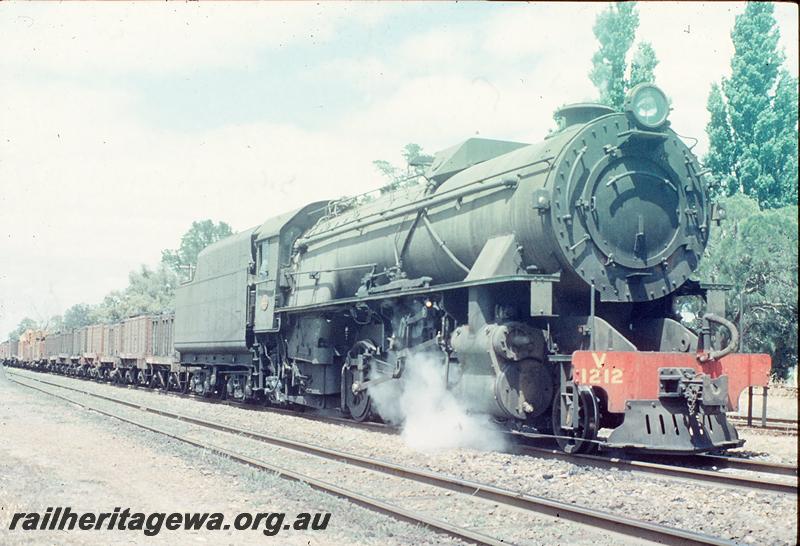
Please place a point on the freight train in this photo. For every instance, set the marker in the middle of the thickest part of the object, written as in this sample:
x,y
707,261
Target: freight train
x,y
137,351
542,280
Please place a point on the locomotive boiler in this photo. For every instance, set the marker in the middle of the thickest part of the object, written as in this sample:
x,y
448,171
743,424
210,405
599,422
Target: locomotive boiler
x,y
540,279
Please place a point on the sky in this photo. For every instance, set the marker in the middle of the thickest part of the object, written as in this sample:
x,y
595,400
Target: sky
x,y
120,124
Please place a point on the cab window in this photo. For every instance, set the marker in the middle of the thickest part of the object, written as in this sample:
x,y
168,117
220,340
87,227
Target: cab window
x,y
263,268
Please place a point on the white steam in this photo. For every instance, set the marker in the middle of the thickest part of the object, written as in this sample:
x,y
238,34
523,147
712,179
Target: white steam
x,y
431,417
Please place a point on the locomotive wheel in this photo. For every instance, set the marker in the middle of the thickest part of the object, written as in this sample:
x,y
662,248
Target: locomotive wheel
x,y
359,404
581,438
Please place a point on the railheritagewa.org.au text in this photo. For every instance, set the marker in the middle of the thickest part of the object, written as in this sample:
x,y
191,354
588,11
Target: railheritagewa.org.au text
x,y
150,524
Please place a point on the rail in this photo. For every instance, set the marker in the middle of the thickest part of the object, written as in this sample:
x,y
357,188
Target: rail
x,y
582,515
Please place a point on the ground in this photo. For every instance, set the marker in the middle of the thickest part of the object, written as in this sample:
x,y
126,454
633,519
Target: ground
x,y
54,454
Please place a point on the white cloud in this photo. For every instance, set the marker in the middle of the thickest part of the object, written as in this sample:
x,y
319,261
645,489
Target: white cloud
x,y
541,29
436,50
164,37
89,189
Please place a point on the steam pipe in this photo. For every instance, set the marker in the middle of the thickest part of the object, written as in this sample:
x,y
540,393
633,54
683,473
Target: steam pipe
x,y
732,344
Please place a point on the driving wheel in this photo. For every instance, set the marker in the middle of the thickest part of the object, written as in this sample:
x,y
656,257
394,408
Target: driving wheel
x,y
582,436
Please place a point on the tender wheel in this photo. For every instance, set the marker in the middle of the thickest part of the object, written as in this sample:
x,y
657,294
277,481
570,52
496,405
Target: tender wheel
x,y
581,438
359,404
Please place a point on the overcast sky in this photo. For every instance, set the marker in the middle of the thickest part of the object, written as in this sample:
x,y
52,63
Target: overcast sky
x,y
121,124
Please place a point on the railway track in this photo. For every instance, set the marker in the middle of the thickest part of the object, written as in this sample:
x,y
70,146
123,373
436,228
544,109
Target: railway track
x,y
689,474
596,519
773,423
694,468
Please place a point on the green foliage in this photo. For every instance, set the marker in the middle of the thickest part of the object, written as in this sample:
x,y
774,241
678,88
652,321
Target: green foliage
x,y
24,324
77,316
148,291
54,324
199,236
756,252
111,309
416,163
643,65
721,156
753,125
615,29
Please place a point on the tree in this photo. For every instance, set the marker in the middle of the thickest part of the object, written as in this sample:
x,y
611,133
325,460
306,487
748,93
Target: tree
x,y
756,252
25,324
643,65
54,324
78,316
199,236
111,309
752,129
150,291
416,163
615,29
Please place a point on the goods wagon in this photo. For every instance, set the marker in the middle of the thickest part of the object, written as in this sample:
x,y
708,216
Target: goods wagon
x,y
7,351
94,343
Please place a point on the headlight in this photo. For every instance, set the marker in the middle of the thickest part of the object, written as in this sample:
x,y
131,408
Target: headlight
x,y
648,104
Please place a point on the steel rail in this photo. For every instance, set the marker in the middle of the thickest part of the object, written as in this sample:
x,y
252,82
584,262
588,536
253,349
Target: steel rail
x,y
659,469
719,461
733,463
739,463
366,425
364,501
582,515
774,420
774,424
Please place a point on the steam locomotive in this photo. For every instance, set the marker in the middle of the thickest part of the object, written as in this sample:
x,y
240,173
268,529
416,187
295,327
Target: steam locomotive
x,y
542,280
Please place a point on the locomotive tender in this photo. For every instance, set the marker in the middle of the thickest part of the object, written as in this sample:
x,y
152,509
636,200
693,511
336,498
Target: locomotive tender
x,y
540,279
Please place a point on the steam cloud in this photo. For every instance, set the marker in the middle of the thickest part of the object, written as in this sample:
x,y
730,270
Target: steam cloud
x,y
431,417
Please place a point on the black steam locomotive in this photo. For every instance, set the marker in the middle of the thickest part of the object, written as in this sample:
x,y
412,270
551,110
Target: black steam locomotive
x,y
541,279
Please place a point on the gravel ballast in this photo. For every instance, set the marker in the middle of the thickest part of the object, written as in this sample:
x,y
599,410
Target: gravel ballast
x,y
748,517
56,454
